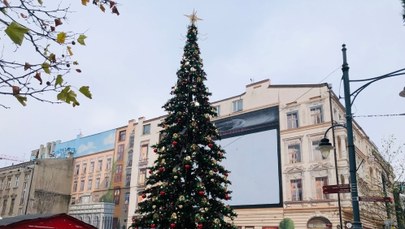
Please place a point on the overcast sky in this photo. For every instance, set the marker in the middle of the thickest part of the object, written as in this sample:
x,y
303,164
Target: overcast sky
x,y
130,61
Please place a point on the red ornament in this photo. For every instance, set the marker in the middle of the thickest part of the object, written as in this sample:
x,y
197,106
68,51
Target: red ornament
x,y
144,195
155,150
201,193
162,193
187,167
153,225
161,169
172,225
210,145
226,174
227,197
174,143
200,226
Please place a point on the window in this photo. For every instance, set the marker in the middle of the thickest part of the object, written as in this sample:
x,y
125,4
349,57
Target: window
x,y
100,165
122,135
1,183
117,193
144,153
129,159
81,185
128,178
10,212
106,182
162,135
120,152
118,174
108,165
89,184
75,186
294,153
142,177
77,169
317,155
73,201
3,209
97,185
146,129
296,190
342,179
319,183
84,168
237,105
131,140
127,194
96,221
16,181
91,169
217,110
292,120
316,115
8,183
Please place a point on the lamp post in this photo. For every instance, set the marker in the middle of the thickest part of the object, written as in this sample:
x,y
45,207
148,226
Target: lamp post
x,y
349,126
325,146
352,151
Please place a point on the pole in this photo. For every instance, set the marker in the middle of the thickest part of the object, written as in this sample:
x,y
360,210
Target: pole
x,y
335,156
352,151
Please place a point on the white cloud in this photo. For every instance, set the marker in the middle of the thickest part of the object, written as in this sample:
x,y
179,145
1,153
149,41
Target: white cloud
x,y
109,139
86,147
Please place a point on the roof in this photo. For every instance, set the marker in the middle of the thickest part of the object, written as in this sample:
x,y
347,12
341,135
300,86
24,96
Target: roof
x,y
39,218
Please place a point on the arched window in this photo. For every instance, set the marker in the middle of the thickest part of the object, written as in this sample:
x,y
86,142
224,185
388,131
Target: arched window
x,y
319,223
96,221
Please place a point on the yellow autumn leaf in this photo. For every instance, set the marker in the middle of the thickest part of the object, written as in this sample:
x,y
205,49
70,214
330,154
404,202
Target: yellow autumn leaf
x,y
60,38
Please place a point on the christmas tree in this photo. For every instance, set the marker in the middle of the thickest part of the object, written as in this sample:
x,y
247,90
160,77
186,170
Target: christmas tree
x,y
187,185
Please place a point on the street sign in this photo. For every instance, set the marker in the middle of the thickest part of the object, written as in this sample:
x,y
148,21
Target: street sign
x,y
341,188
375,199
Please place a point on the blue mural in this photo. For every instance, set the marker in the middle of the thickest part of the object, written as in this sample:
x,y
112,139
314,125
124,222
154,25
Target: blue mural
x,y
86,145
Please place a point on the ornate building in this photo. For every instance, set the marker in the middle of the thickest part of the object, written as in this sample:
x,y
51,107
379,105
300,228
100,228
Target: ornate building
x,y
271,134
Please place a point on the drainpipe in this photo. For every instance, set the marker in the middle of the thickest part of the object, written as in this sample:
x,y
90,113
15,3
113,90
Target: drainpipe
x,y
29,189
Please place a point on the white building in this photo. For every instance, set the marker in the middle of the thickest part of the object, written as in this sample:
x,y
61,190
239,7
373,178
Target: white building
x,y
273,157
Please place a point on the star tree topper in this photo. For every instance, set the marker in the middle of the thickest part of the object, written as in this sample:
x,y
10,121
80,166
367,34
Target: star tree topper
x,y
193,17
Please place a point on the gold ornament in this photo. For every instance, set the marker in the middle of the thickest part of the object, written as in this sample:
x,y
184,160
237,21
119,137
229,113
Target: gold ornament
x,y
174,215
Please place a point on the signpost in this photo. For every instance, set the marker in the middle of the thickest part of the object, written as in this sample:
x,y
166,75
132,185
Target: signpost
x,y
341,188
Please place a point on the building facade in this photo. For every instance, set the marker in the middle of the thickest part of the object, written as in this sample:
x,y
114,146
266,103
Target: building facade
x,y
98,214
298,169
121,177
35,187
270,133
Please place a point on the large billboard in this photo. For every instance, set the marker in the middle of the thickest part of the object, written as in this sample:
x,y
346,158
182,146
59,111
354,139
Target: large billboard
x,y
251,142
86,145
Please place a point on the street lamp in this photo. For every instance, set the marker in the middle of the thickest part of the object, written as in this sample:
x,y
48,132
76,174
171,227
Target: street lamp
x,y
349,126
324,147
